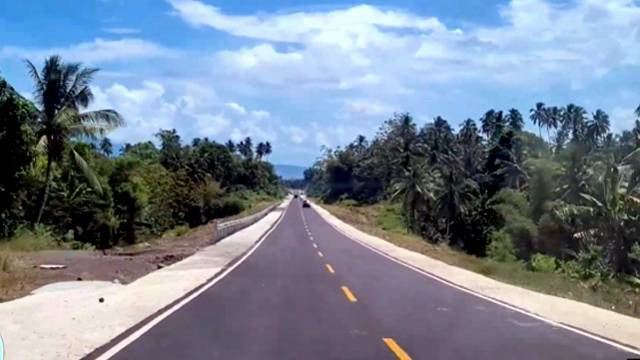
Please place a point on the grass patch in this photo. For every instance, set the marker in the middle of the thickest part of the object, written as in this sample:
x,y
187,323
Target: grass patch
x,y
6,262
385,221
40,238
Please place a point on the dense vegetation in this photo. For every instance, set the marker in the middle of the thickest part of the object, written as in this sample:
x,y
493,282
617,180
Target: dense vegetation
x,y
565,201
59,172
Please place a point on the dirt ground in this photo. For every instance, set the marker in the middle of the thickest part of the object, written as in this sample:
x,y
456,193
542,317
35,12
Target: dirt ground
x,y
122,265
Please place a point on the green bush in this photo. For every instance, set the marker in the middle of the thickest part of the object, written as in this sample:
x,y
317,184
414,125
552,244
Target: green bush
x,y
543,263
501,247
589,263
177,231
553,238
228,206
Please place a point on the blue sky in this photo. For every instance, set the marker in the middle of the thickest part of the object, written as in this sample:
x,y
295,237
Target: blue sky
x,y
307,74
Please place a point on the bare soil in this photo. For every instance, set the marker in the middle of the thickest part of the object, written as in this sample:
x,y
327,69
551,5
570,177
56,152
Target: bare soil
x,y
122,265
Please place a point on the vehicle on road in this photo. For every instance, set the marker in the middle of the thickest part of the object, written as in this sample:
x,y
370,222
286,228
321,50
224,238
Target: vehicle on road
x,y
305,204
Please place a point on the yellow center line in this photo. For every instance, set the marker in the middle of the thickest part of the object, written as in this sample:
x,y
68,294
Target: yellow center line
x,y
396,349
349,294
320,254
330,269
315,246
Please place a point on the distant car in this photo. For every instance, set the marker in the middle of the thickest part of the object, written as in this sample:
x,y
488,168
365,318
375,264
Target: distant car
x,y
305,204
295,196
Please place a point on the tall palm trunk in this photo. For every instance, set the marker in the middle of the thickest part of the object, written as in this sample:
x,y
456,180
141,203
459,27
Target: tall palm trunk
x,y
45,194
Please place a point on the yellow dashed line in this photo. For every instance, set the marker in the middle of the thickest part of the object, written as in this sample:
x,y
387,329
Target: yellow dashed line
x,y
330,269
349,294
396,349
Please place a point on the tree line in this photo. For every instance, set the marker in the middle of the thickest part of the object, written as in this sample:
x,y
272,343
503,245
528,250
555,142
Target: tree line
x,y
59,169
567,198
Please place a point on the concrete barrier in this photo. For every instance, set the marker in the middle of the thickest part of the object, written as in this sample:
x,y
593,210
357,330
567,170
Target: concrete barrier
x,y
226,228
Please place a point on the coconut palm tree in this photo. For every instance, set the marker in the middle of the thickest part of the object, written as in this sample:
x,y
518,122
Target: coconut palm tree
x,y
574,120
61,92
415,187
598,127
537,116
455,198
514,119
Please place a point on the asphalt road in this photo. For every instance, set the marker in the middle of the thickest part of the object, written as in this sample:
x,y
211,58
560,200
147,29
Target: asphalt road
x,y
308,292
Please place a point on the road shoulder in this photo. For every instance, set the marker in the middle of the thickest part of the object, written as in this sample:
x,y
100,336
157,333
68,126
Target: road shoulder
x,y
589,320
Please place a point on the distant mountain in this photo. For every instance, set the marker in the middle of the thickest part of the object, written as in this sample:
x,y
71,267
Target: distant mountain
x,y
288,172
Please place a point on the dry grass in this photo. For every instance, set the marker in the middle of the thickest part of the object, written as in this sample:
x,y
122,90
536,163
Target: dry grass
x,y
385,222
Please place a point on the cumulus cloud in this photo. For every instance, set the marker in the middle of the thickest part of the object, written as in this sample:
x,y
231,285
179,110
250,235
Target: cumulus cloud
x,y
362,46
97,51
148,108
236,107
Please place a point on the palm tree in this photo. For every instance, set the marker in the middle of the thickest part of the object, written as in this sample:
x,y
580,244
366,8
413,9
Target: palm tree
x,y
267,148
61,91
415,187
514,119
610,209
245,148
574,119
598,127
260,150
456,197
538,116
230,146
551,119
106,147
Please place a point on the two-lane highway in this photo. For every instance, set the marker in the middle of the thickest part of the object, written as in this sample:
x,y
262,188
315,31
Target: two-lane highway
x,y
309,292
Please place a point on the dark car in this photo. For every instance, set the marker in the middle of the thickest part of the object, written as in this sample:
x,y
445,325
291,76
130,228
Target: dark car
x,y
305,204
295,196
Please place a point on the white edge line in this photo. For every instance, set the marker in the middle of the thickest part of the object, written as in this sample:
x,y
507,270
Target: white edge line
x,y
522,311
138,333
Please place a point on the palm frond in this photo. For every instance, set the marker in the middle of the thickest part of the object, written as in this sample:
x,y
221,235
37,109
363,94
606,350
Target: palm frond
x,y
43,144
91,177
591,199
107,118
39,84
79,91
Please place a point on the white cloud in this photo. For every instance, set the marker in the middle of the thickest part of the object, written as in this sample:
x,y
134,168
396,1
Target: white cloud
x,y
395,51
296,134
148,108
353,27
236,107
97,51
121,30
260,114
363,107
